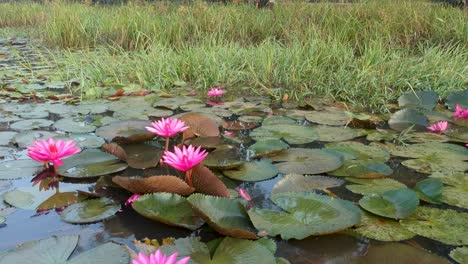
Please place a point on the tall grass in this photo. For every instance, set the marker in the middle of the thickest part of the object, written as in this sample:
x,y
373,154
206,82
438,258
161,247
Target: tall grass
x,y
365,53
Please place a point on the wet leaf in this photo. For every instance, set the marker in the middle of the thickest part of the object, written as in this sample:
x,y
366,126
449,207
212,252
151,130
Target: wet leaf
x,y
90,211
115,150
59,200
332,117
460,255
74,125
292,133
420,99
397,204
6,137
377,186
406,118
223,158
390,253
31,124
267,147
16,169
199,125
305,214
205,181
142,156
352,150
168,208
362,169
238,125
334,134
429,190
300,183
26,138
455,196
124,132
382,229
456,179
457,97
253,171
307,161
162,183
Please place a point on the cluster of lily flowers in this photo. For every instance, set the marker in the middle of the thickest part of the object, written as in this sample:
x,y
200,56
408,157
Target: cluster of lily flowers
x,y
441,126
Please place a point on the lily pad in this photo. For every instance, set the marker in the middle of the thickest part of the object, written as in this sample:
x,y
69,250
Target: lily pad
x,y
199,125
397,204
6,137
362,169
460,255
382,229
90,211
59,249
358,151
129,131
292,133
91,163
307,161
163,183
26,138
455,196
74,125
429,190
300,183
376,186
444,225
332,117
456,179
2,220
421,99
399,253
142,156
225,215
223,158
305,214
406,118
267,147
205,181
31,124
458,97
83,140
168,208
334,134
253,171
430,164
16,169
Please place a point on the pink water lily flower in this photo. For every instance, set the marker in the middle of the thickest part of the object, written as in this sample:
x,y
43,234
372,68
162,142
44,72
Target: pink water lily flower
x,y
159,258
215,92
460,112
438,127
167,128
244,194
51,151
132,199
185,159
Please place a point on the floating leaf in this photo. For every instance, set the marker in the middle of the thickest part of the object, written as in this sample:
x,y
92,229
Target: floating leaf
x,y
457,97
267,147
422,150
460,255
332,117
382,229
26,138
210,142
334,134
399,253
455,196
292,133
397,204
90,211
204,181
377,186
199,125
420,99
16,169
163,183
142,156
59,200
422,137
444,225
238,125
31,124
115,149
74,125
429,190
223,158
305,214
362,169
2,220
168,208
357,151
91,163
434,163
6,137
125,132
406,118
307,161
253,171
456,179
225,215
300,183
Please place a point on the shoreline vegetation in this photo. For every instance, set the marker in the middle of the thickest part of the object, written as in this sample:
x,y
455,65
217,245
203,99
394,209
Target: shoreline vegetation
x,y
366,53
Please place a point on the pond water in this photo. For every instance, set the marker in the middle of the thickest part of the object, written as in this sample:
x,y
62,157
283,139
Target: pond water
x,y
34,108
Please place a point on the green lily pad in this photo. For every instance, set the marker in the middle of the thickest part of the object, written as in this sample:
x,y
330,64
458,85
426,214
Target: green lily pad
x,y
278,120
444,225
422,137
141,155
126,131
362,169
223,158
382,229
381,135
268,147
225,215
175,102
6,137
397,204
422,150
406,118
399,253
16,169
458,97
91,163
429,190
332,117
456,179
31,124
168,208
335,134
305,214
357,151
59,249
292,133
74,125
460,255
83,140
253,171
377,186
90,211
300,183
430,164
455,196
307,161
420,99
26,138
2,220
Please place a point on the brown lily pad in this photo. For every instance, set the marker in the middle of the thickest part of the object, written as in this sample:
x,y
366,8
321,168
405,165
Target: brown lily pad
x,y
205,181
163,183
199,125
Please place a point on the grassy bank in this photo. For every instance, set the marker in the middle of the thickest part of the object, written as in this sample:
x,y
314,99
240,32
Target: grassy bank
x,y
366,53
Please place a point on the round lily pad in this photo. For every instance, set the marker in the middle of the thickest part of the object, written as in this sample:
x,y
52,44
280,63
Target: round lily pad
x,y
91,163
434,163
307,161
406,118
90,211
225,215
300,183
363,169
397,204
305,214
429,190
6,137
83,140
420,99
332,117
377,186
31,124
460,255
426,137
382,229
292,133
267,147
457,97
444,225
253,171
455,196
126,131
168,208
16,169
74,125
277,120
141,155
358,151
456,179
223,158
334,134
26,138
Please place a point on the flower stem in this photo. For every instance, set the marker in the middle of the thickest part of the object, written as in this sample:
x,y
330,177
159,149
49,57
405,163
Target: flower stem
x,y
167,144
188,177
